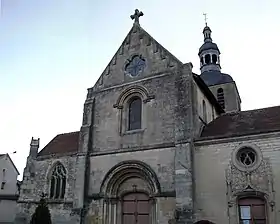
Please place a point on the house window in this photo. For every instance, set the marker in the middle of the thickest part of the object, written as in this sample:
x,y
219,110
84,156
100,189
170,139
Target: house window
x,y
4,175
252,210
134,113
3,179
58,182
221,97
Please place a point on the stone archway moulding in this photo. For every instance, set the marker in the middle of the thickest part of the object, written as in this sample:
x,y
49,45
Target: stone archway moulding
x,y
136,89
126,168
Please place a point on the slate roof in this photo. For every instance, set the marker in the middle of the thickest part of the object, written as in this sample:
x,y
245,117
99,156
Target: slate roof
x,y
215,78
62,143
208,45
243,123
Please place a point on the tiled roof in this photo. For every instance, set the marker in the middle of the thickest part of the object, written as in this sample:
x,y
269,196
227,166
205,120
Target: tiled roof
x,y
244,123
62,143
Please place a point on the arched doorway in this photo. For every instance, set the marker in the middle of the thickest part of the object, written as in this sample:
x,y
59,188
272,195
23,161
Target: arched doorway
x,y
129,190
136,208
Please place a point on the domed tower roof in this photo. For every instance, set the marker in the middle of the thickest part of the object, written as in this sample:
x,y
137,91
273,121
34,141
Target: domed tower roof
x,y
209,53
210,67
212,78
208,44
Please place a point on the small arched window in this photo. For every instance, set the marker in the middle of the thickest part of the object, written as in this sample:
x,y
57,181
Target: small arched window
x,y
207,59
58,182
134,113
214,59
221,97
252,210
204,111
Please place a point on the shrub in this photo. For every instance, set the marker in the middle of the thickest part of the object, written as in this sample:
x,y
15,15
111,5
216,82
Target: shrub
x,y
42,214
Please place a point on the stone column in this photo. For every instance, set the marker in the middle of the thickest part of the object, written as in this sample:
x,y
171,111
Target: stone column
x,y
82,163
184,131
184,184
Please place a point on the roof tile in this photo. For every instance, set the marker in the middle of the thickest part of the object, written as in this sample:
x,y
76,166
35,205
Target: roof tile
x,y
62,143
243,123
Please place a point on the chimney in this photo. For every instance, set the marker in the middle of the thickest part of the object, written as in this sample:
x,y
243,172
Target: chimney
x,y
34,146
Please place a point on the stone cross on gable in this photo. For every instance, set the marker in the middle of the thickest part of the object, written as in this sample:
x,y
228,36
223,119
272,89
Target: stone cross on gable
x,y
136,16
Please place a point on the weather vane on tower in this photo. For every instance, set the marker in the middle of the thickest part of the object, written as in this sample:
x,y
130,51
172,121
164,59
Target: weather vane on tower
x,y
205,18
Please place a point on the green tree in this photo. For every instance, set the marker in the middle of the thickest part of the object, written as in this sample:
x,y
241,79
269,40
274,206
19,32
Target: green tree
x,y
42,213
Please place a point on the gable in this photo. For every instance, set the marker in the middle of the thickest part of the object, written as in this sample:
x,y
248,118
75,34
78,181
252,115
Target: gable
x,y
7,158
138,43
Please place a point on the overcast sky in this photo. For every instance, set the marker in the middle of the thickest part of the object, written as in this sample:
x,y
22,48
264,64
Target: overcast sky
x,y
51,51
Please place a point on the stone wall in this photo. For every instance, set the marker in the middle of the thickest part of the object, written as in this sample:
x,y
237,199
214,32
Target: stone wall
x,y
110,131
161,162
36,181
218,181
232,98
210,110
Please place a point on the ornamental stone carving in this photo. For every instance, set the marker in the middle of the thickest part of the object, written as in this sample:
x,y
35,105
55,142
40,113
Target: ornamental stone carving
x,y
257,180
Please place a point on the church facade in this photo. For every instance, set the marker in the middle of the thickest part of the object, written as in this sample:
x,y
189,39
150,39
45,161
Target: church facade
x,y
159,144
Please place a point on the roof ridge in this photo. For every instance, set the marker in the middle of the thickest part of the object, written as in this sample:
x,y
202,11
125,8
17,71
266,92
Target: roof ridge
x,y
262,108
68,133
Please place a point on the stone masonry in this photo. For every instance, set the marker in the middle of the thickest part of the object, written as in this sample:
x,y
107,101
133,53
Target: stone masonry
x,y
183,159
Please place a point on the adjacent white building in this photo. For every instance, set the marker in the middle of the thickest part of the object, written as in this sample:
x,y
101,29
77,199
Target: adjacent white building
x,y
9,189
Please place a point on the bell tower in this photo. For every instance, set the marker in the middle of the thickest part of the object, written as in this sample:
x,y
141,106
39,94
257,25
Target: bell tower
x,y
221,85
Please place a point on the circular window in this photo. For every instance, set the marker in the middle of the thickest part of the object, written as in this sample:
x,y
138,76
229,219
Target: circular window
x,y
135,66
247,158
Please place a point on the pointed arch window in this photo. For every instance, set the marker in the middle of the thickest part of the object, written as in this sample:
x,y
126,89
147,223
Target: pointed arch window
x,y
58,182
252,210
134,113
221,97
